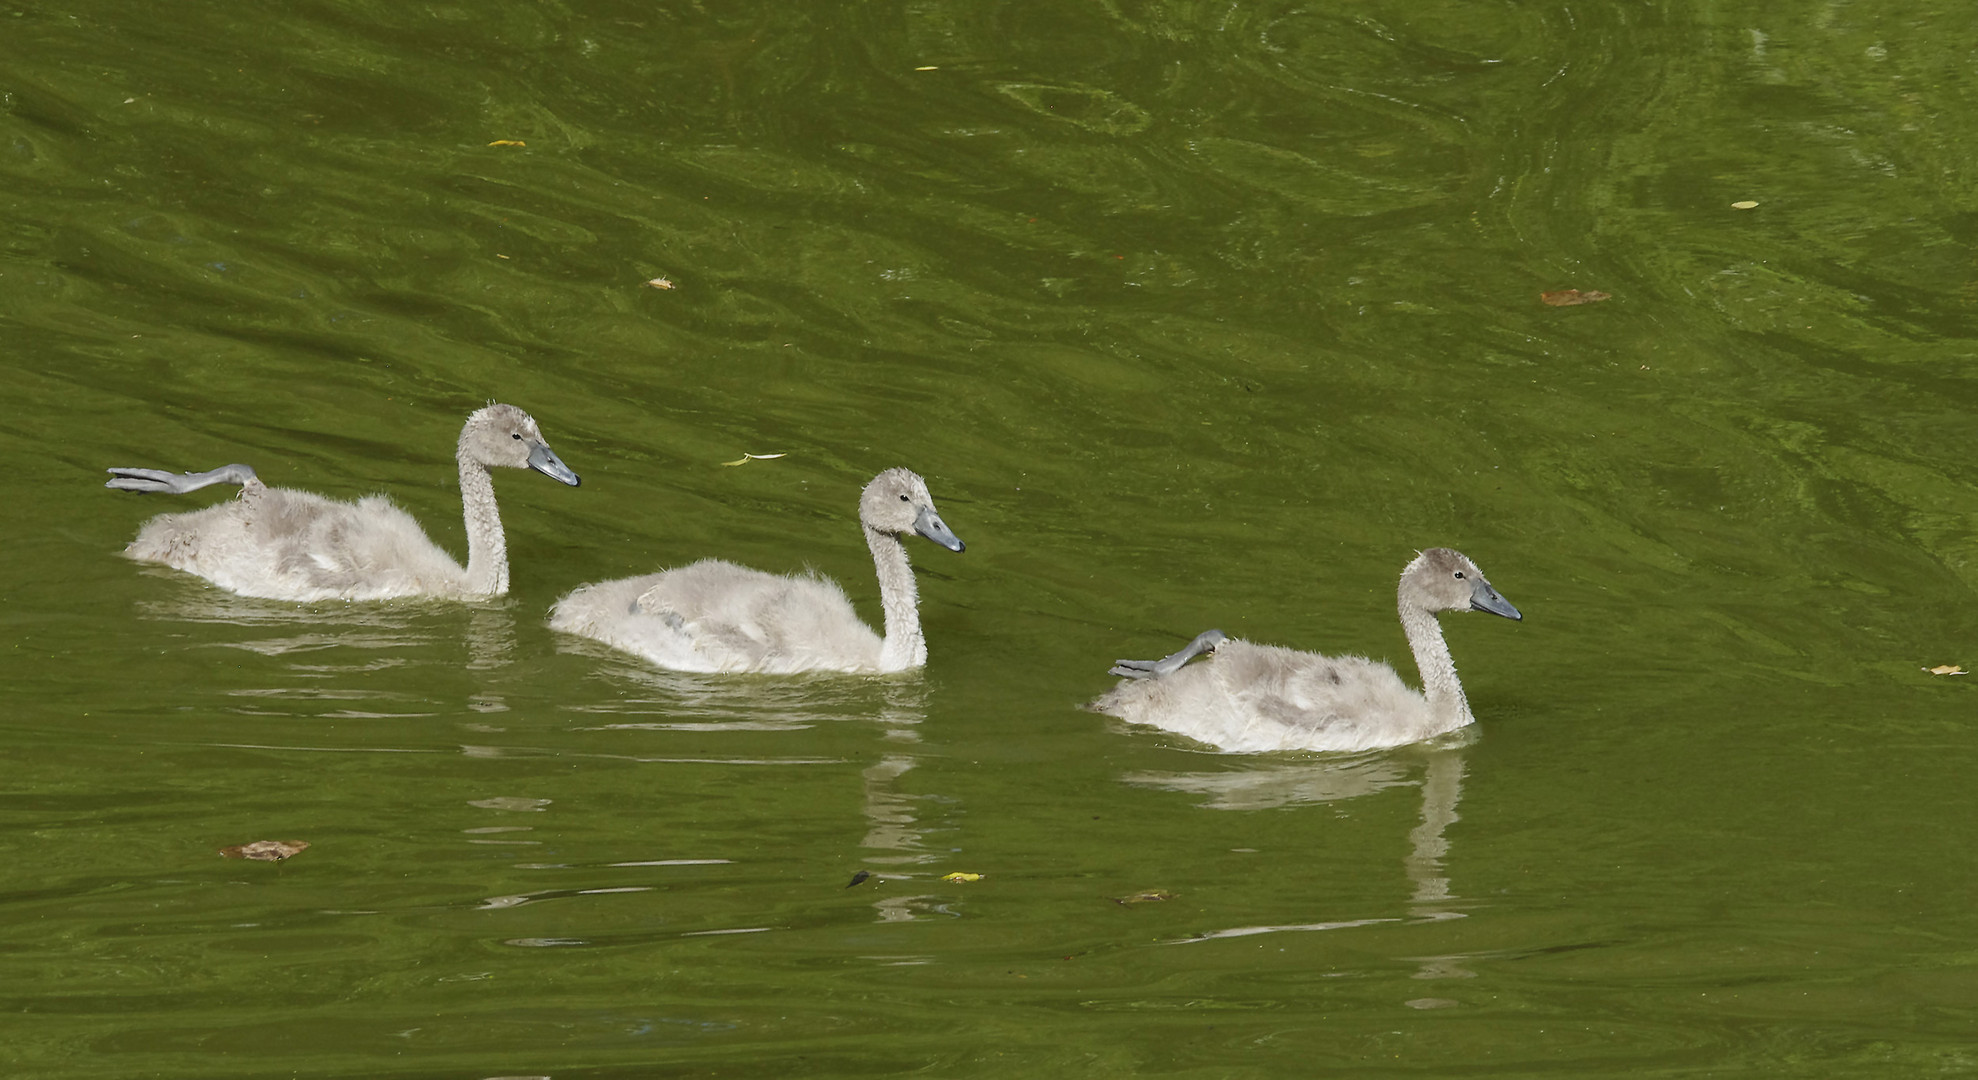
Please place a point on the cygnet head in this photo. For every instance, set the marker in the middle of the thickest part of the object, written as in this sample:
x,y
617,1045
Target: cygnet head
x,y
1441,579
503,436
897,503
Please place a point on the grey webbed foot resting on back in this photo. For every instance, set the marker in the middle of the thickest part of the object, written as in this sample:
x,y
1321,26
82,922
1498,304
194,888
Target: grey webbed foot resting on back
x,y
715,616
171,483
1249,697
293,545
1205,642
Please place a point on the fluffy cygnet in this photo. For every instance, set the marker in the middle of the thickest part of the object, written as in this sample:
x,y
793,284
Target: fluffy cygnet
x,y
716,616
293,545
1248,697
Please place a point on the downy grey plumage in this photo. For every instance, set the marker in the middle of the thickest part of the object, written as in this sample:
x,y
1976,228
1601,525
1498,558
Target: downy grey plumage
x,y
716,616
294,545
1249,697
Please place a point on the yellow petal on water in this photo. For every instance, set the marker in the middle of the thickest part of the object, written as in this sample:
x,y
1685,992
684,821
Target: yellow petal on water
x,y
746,458
1946,669
961,875
1747,204
266,850
508,142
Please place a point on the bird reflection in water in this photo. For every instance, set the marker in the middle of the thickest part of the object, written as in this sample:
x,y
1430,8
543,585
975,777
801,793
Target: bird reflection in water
x,y
1268,786
893,834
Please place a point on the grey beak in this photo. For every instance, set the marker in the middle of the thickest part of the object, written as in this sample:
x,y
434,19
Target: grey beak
x,y
1485,598
929,524
544,460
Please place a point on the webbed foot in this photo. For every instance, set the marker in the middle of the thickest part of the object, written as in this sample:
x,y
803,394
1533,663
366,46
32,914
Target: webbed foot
x,y
1205,642
171,483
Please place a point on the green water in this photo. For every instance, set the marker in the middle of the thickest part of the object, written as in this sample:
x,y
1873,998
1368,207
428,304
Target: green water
x,y
1192,315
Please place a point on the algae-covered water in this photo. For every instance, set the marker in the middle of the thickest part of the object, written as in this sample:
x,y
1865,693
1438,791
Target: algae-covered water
x,y
1191,315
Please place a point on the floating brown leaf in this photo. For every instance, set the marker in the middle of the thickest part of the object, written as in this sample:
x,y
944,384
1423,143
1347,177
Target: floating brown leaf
x,y
266,850
1151,896
1569,297
1946,669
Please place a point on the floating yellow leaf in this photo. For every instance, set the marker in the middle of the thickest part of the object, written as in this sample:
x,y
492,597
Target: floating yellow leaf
x,y
961,875
508,142
1151,896
746,458
929,67
662,283
1946,669
1746,204
266,850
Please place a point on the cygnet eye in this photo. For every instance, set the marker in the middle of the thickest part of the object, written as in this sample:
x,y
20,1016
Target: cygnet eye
x,y
903,498
517,436
1459,575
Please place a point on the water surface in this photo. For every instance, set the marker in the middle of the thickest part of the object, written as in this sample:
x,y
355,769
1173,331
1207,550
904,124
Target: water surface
x,y
1191,315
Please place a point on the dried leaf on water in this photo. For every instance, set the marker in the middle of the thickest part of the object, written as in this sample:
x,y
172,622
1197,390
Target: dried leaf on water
x,y
508,142
1745,204
662,283
860,876
746,458
961,875
1570,297
1946,669
1151,896
266,850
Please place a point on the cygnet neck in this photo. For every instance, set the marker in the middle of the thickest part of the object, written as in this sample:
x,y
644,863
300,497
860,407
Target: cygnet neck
x,y
487,548
1440,686
904,646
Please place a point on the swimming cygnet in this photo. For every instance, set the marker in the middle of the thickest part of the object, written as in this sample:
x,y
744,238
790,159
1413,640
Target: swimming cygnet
x,y
1249,697
294,545
715,616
